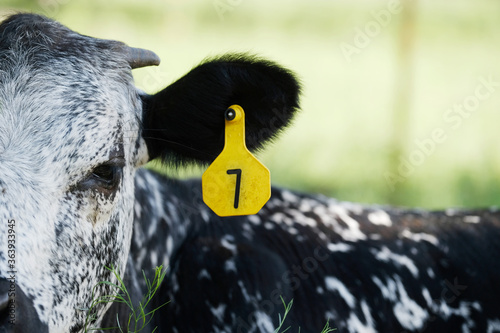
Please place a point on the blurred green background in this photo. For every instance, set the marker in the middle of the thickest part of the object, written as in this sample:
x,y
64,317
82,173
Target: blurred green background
x,y
384,82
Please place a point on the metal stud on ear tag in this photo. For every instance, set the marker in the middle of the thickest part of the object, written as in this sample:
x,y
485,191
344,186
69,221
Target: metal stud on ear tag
x,y
236,183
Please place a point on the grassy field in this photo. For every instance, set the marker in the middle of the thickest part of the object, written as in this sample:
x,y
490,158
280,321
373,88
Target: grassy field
x,y
348,57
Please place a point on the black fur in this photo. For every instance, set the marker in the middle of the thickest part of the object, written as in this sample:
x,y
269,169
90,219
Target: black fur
x,y
431,270
185,121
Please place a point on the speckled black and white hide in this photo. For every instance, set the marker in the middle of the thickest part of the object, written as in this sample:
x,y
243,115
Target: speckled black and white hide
x,y
69,147
74,131
363,269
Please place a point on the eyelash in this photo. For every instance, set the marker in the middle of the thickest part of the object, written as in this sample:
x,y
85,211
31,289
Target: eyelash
x,y
104,178
105,173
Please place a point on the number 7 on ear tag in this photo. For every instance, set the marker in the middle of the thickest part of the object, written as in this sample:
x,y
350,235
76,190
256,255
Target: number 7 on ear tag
x,y
236,183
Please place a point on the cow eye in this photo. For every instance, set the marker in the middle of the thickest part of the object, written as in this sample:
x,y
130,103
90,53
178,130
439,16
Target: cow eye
x,y
106,174
104,178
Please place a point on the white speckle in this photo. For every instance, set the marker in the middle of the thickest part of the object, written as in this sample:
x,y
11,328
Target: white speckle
x,y
278,217
293,231
353,207
339,247
255,219
174,283
219,311
409,314
154,258
140,182
230,265
386,255
273,203
355,325
320,290
204,274
430,272
333,284
472,219
305,206
375,237
427,296
352,233
228,242
417,237
247,231
322,236
170,245
380,217
450,211
137,209
264,322
205,216
387,290
141,256
289,196
299,217
464,310
493,325
329,315
323,214
244,291
269,226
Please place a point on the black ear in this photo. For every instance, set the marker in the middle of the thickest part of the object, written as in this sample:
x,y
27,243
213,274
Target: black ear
x,y
185,121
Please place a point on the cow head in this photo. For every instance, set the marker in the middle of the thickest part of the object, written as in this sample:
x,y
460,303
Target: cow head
x,y
73,130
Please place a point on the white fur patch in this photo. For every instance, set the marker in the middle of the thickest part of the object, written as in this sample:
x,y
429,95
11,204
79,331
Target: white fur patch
x,y
355,325
380,217
472,219
418,237
335,285
386,255
339,247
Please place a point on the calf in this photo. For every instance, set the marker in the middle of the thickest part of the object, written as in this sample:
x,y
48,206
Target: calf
x,y
74,132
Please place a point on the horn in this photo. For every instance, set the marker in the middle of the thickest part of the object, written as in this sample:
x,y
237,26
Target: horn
x,y
138,58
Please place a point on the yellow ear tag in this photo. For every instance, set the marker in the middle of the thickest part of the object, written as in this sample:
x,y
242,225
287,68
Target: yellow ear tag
x,y
236,183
